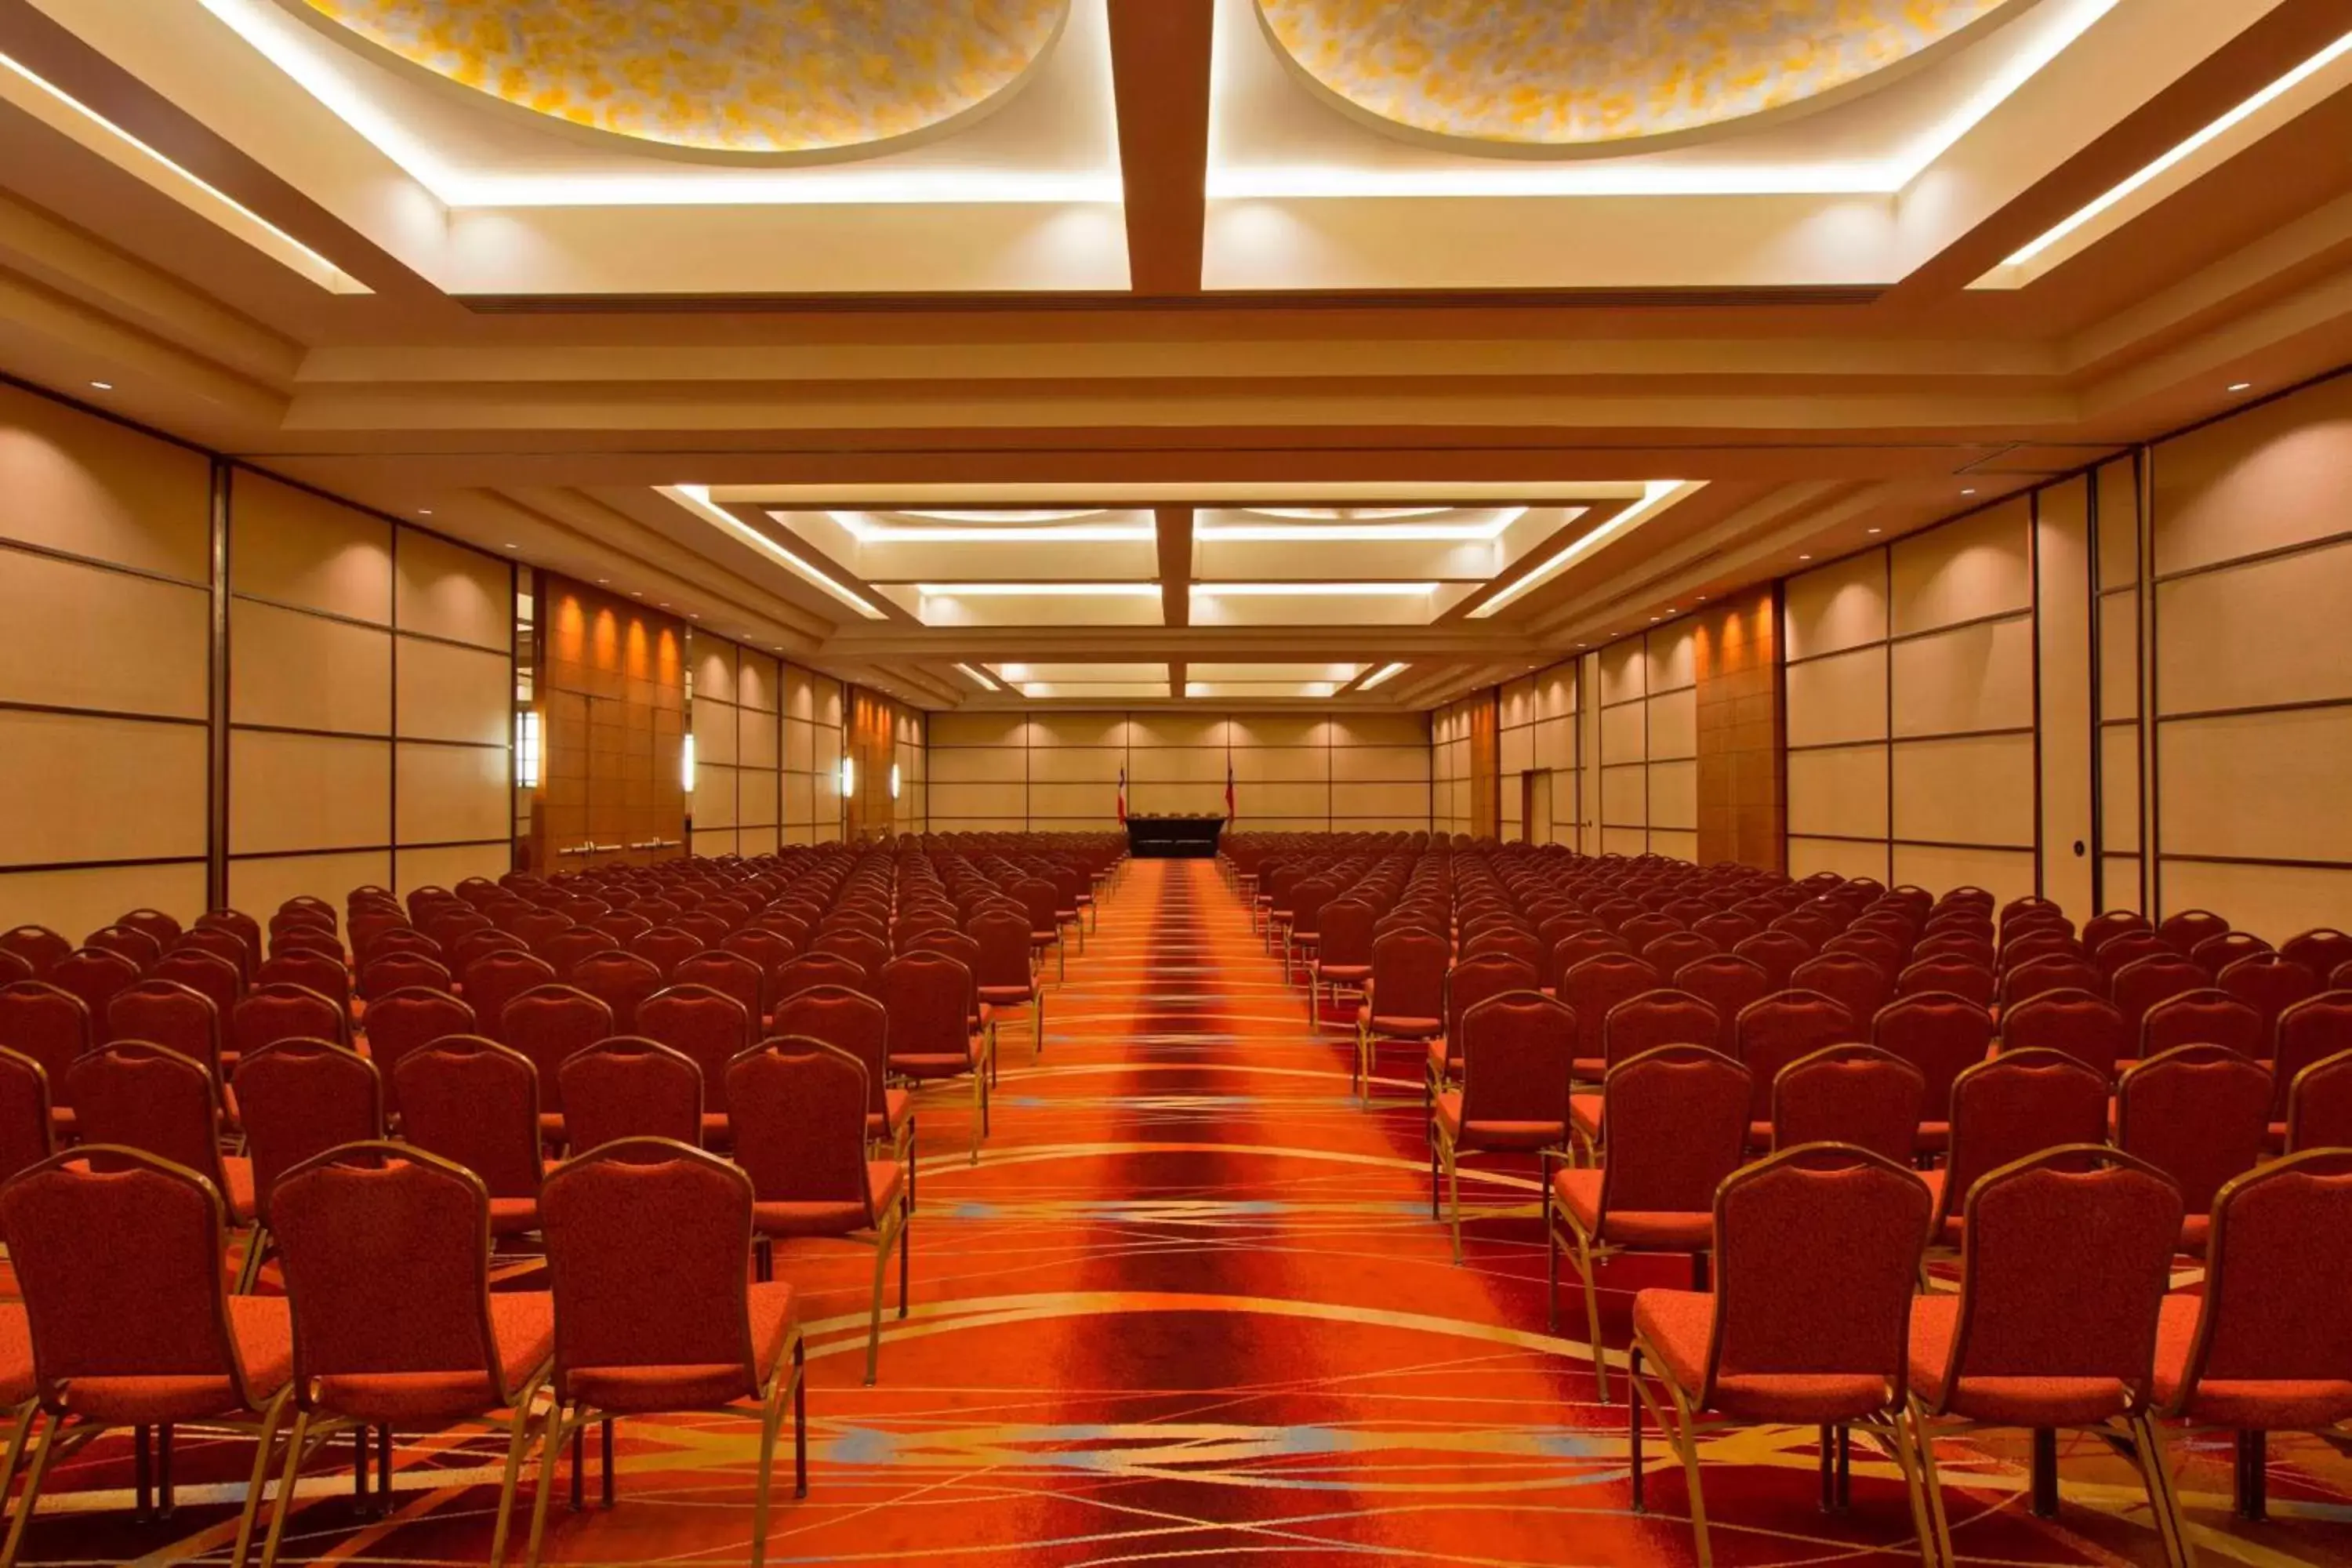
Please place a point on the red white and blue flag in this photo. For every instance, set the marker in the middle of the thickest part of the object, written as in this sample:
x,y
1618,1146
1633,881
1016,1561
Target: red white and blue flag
x,y
1122,794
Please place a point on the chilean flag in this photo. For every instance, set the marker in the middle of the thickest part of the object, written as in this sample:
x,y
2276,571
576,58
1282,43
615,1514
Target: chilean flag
x,y
1122,794
1229,789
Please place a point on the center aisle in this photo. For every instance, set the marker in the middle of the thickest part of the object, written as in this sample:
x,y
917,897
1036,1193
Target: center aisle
x,y
1190,1305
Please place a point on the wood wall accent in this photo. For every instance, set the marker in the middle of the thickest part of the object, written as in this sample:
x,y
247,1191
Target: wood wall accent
x,y
612,688
1742,785
872,742
1487,764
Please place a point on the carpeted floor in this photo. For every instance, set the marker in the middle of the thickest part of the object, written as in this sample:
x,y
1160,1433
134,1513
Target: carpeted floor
x,y
1190,1306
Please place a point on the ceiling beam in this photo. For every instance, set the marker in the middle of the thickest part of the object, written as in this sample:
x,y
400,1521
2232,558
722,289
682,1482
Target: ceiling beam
x,y
985,646
1159,76
1174,525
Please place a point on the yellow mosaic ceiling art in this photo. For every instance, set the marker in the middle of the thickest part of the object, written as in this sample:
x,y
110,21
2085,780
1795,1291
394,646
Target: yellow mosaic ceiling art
x,y
1564,74
749,77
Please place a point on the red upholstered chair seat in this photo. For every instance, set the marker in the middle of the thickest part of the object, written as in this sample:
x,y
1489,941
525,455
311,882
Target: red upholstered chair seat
x,y
1584,1115
264,1329
522,1322
884,1178
621,1390
2264,1404
1496,1135
1578,1188
940,1064
886,1122
1678,1325
2002,1401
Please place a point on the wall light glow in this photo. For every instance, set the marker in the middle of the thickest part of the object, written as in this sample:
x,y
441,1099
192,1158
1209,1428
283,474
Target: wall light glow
x,y
686,766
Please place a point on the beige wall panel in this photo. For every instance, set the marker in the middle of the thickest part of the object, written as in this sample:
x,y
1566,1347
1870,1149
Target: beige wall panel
x,y
1279,799
454,693
1674,796
1673,725
75,903
1555,743
2062,568
2118,525
83,637
800,799
1280,730
825,743
1175,795
258,887
1673,653
1176,730
977,764
294,547
1809,856
1381,764
313,792
1290,764
722,841
304,672
448,868
1516,750
712,664
1078,764
1288,825
2120,786
826,692
1842,605
451,792
75,788
712,804
1380,825
2119,656
2265,632
1841,791
1555,694
757,841
1516,702
2006,874
1834,700
2268,784
2123,887
2269,476
757,799
1624,795
1623,665
756,686
445,590
800,746
1090,730
1380,800
1973,791
1975,567
1972,678
755,740
1178,766
91,488
983,728
2275,903
1624,733
1681,844
825,793
1625,841
714,732
800,698
1379,730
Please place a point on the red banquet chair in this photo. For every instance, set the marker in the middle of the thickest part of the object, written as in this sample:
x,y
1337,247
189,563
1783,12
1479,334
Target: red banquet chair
x,y
1853,1094
496,978
2065,1266
648,1252
1633,1027
2143,981
1593,989
41,948
1404,999
1516,1050
1467,983
2216,953
94,974
1780,1029
2185,930
854,1022
731,974
2319,1106
631,1087
2323,950
2008,1109
622,980
140,948
149,1097
208,975
297,1098
2311,1031
927,996
474,1103
2209,1016
1675,1120
1853,983
1817,1249
168,1014
50,1025
2262,1348
1726,983
1005,974
399,1022
2071,1023
800,1137
27,1136
813,969
117,1255
665,947
547,1024
2201,1114
2270,985
438,1351
1343,954
709,1028
1948,976
1778,953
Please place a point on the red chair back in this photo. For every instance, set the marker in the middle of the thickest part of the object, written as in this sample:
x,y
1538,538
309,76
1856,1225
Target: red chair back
x,y
566,949
665,947
1474,979
2323,950
2278,1269
1727,928
2100,929
1597,986
815,969
2216,953
2185,930
1515,1053
2143,981
137,946
46,1023
26,1129
1347,933
2015,1106
2270,985
1654,1018
648,1247
94,974
1674,1121
707,1027
297,1098
221,943
928,996
731,975
1852,981
1817,1253
43,949
631,1087
1671,952
149,1097
2128,948
2310,1031
166,1012
547,1024
1941,1035
1782,1028
799,1124
1854,1094
2198,1113
2319,1105
2071,1023
1726,982
622,980
868,952
1777,952
850,1022
208,975
2207,1018
498,978
2041,976
473,1102
1575,949
1004,939
1951,977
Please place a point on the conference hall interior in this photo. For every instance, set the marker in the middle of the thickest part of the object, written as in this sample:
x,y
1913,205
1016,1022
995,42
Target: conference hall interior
x,y
1041,784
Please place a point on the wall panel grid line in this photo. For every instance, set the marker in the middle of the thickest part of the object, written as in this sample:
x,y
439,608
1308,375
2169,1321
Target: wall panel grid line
x,y
2313,546
1997,619
98,563
72,711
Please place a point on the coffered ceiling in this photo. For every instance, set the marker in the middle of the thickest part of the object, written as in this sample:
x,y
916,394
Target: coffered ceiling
x,y
1173,351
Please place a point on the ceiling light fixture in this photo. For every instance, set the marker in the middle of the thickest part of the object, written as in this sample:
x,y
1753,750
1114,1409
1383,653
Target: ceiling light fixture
x,y
68,115
1034,590
103,386
2235,386
1869,531
1657,494
1313,590
1804,558
1364,531
1971,490
2149,172
1384,673
866,529
697,499
978,677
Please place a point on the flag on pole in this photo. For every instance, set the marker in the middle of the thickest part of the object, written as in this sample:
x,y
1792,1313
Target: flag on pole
x,y
1229,788
1122,794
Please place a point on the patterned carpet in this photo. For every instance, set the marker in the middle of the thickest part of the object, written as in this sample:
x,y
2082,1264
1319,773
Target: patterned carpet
x,y
1190,1306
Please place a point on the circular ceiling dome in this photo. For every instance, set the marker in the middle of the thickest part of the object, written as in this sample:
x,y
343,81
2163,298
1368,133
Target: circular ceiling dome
x,y
753,78
1563,76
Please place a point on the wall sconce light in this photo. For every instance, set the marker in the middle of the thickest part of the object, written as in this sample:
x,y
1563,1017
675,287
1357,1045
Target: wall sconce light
x,y
685,766
894,781
528,745
848,776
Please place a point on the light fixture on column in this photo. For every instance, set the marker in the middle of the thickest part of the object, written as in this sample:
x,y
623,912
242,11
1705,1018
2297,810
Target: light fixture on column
x,y
894,781
685,766
528,743
848,776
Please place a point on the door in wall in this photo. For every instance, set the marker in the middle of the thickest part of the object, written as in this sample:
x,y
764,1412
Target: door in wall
x,y
1535,805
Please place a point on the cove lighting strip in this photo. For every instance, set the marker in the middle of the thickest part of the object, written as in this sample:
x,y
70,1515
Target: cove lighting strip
x,y
68,116
1354,531
1314,590
1037,590
1384,673
695,498
1655,494
866,529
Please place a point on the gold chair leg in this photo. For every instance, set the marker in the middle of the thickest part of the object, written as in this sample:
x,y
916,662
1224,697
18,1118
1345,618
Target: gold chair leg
x,y
273,1413
1686,1441
1931,1482
2164,1501
517,1442
248,1275
1898,1438
17,1437
1450,1154
874,1321
551,1445
1037,1004
1593,1315
42,1453
979,1093
771,1418
286,1482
